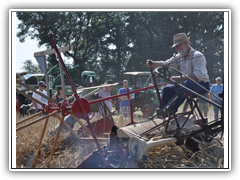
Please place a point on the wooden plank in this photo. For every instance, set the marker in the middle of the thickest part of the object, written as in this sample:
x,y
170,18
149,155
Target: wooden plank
x,y
35,121
28,96
91,93
40,142
55,143
30,117
94,87
52,51
82,90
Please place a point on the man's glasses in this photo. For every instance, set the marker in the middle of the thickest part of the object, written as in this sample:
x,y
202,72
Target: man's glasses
x,y
42,85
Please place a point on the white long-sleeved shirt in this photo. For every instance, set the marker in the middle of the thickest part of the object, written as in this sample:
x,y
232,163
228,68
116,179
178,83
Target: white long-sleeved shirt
x,y
40,98
194,64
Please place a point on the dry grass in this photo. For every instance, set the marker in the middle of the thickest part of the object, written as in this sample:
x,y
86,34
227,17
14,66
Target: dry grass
x,y
69,153
174,156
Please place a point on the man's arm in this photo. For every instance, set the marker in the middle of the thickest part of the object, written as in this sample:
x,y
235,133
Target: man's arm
x,y
154,64
124,97
35,105
34,102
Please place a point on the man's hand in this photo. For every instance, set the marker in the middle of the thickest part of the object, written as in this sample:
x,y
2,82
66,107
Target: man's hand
x,y
149,63
154,64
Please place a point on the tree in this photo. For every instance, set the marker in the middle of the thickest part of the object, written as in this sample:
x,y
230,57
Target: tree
x,y
115,48
86,27
153,31
29,66
122,41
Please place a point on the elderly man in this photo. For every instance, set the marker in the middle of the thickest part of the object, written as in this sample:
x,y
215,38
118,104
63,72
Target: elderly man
x,y
191,62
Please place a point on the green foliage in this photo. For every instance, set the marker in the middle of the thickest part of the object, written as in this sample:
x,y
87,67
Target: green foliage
x,y
29,66
114,42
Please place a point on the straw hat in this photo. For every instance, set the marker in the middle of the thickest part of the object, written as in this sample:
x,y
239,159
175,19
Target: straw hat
x,y
179,38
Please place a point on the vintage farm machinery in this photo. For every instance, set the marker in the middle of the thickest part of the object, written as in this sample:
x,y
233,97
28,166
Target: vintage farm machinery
x,y
128,145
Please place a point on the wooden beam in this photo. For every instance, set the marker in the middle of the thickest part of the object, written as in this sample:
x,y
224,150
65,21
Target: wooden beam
x,y
28,96
94,87
30,117
52,51
55,142
37,120
40,142
43,95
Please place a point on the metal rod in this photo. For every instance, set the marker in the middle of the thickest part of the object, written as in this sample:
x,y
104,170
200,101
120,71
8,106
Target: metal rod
x,y
131,110
156,87
200,96
197,83
62,81
46,76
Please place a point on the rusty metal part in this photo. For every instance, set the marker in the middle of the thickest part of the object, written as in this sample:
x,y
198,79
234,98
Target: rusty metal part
x,y
64,107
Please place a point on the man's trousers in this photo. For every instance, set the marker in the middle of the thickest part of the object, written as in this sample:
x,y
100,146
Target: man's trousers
x,y
169,92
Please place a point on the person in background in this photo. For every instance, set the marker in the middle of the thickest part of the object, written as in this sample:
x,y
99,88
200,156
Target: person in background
x,y
124,104
59,96
41,89
105,92
216,89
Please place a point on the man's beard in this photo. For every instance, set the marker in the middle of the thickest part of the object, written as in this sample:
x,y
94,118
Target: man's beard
x,y
183,52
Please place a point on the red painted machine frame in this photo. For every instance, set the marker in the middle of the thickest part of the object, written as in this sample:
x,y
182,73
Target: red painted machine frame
x,y
81,107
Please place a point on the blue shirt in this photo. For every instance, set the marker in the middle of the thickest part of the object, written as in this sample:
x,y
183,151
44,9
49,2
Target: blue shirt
x,y
215,89
124,102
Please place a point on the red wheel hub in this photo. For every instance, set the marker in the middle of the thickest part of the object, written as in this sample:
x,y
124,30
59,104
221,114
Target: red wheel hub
x,y
146,111
77,109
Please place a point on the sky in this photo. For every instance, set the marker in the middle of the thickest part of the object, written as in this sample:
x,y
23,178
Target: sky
x,y
25,51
